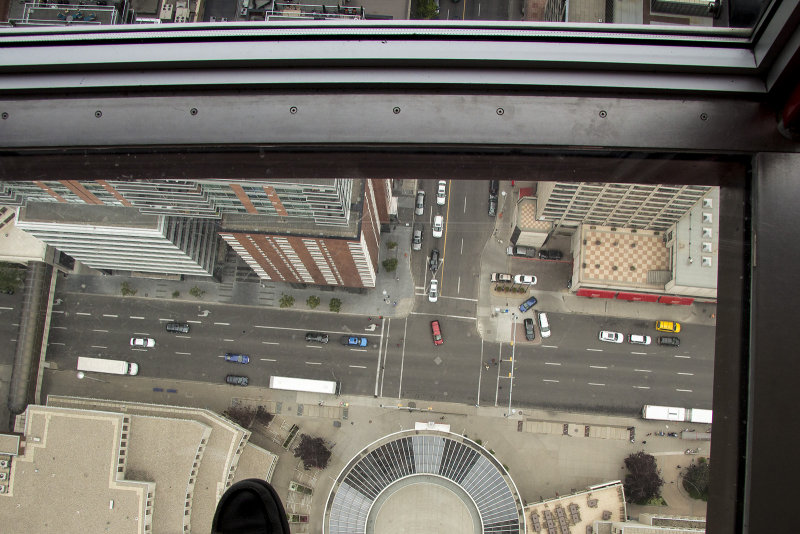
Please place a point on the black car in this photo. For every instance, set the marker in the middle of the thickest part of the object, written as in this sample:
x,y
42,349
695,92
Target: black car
x,y
669,341
550,254
178,328
494,187
316,336
434,263
492,206
236,380
530,334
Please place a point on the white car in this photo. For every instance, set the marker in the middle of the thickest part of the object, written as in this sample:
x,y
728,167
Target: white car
x,y
501,277
611,337
441,193
145,342
433,294
438,226
419,206
638,339
525,279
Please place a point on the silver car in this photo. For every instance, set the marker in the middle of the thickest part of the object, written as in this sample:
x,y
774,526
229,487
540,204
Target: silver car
x,y
416,239
420,205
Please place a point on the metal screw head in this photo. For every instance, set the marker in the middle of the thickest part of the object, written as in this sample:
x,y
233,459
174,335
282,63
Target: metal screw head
x,y
395,110
193,111
500,111
603,114
293,110
4,115
98,113
704,116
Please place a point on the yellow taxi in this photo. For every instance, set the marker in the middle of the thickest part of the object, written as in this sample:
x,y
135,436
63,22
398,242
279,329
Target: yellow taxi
x,y
668,326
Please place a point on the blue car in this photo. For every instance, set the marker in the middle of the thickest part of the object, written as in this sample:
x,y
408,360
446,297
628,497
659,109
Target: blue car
x,y
527,305
237,358
353,341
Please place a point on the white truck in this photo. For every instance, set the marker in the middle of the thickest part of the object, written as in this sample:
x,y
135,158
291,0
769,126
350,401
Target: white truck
x,y
101,365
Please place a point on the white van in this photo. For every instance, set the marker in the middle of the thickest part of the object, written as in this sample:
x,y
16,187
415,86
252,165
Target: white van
x,y
544,325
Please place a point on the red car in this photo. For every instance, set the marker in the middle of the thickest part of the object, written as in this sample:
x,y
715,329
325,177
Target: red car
x,y
437,333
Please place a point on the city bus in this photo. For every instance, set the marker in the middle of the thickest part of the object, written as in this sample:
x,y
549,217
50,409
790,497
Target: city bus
x,y
304,384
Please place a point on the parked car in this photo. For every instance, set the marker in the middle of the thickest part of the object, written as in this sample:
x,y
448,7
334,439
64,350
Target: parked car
x,y
494,187
525,279
492,206
236,380
354,341
178,328
522,252
416,239
433,292
441,193
436,330
544,325
550,254
434,262
438,226
236,358
527,305
639,339
501,277
669,341
668,326
144,342
611,337
530,334
420,205
316,337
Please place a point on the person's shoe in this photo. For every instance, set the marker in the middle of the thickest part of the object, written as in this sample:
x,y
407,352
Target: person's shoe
x,y
250,507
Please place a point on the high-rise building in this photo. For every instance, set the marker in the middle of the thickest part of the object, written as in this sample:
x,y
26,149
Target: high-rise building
x,y
642,206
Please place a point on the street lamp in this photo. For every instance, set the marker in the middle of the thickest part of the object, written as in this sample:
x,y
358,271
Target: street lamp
x,y
81,375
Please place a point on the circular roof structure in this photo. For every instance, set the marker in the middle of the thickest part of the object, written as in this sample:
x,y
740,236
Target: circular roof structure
x,y
431,481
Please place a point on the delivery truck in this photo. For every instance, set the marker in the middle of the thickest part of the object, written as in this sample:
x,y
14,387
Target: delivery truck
x,y
102,365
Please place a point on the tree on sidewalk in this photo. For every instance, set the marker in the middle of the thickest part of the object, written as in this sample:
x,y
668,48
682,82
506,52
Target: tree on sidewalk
x,y
696,479
313,452
643,481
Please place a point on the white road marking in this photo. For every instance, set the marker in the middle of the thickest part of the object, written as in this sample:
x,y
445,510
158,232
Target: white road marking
x,y
185,337
105,331
462,246
270,343
98,347
165,320
686,374
135,317
465,198
595,384
459,298
110,315
642,353
549,346
458,287
313,346
55,343
448,316
359,350
136,333
6,308
595,350
403,359
306,330
53,311
598,367
82,313
682,356
184,353
59,327
547,380
642,371
228,340
358,366
140,350
267,360
641,387
684,390
313,363
222,324
195,322
552,363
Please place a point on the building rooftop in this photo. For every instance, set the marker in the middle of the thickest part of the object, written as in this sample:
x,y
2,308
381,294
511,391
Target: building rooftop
x,y
577,511
255,462
17,246
87,215
72,458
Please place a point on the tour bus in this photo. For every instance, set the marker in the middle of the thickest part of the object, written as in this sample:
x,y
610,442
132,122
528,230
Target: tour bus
x,y
304,384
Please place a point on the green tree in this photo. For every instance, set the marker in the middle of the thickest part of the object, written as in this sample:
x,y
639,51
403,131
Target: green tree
x,y
335,305
312,301
696,479
196,292
643,481
127,289
313,452
391,245
287,301
10,278
424,9
390,265
176,294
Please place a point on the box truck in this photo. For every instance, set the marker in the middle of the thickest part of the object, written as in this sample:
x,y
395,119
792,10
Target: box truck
x,y
102,365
